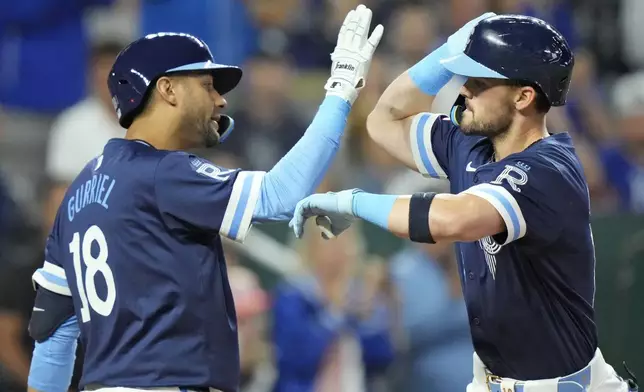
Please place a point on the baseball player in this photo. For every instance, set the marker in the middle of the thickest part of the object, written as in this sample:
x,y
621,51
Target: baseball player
x,y
134,262
518,209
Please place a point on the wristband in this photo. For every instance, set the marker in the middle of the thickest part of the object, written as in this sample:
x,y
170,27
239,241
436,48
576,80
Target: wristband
x,y
419,217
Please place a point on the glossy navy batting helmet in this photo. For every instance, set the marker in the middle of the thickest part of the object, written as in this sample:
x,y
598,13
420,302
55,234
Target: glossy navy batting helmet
x,y
519,48
141,63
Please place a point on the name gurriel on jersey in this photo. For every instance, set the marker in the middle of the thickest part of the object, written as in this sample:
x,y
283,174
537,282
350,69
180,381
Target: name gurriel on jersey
x,y
94,191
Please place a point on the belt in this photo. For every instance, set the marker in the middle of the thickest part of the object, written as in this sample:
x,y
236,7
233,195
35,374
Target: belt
x,y
576,382
496,384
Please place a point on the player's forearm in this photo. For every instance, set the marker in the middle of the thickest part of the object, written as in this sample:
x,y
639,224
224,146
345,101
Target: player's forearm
x,y
401,99
444,226
451,217
301,170
411,93
414,90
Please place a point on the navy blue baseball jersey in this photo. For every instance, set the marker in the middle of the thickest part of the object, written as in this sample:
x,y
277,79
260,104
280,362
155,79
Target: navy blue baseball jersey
x,y
137,245
530,290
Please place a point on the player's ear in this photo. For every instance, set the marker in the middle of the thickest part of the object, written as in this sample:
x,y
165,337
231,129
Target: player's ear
x,y
524,96
167,90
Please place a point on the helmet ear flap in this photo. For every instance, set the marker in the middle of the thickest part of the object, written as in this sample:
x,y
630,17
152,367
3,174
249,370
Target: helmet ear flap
x,y
226,126
127,97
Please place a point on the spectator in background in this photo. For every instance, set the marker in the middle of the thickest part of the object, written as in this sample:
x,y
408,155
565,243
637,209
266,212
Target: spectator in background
x,y
414,33
17,263
43,51
632,30
623,157
559,13
587,118
268,124
214,21
313,26
439,346
16,299
313,30
251,306
331,329
587,107
362,163
460,12
276,22
80,132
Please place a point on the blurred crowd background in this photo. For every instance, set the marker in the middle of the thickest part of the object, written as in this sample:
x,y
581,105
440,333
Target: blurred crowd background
x,y
408,328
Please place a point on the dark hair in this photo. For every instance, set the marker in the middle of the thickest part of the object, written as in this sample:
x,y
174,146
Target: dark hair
x,y
542,103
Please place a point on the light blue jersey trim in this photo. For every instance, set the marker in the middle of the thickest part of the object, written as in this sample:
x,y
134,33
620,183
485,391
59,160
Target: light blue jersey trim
x,y
506,205
52,277
236,222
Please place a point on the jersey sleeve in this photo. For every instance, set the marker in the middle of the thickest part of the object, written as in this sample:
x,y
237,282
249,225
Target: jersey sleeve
x,y
434,142
533,197
193,193
51,275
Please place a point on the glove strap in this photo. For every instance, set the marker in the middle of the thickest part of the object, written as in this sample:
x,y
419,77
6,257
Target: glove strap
x,y
343,81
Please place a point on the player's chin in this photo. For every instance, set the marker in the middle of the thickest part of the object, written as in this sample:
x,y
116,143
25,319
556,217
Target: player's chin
x,y
473,129
211,135
467,123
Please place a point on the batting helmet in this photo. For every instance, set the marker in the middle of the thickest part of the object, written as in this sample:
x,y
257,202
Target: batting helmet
x,y
520,48
141,63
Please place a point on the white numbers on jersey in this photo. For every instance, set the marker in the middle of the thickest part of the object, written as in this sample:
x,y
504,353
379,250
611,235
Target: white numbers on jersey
x,y
87,286
514,176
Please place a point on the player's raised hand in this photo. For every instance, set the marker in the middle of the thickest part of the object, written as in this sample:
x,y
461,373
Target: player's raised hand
x,y
352,55
457,41
333,212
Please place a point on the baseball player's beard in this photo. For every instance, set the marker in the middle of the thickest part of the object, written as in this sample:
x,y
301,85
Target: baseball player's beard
x,y
491,128
207,132
210,134
203,132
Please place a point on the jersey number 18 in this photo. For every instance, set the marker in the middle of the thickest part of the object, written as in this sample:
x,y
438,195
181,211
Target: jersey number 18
x,y
87,287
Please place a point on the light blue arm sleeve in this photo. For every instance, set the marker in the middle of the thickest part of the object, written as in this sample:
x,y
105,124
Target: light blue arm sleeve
x,y
429,75
301,170
52,364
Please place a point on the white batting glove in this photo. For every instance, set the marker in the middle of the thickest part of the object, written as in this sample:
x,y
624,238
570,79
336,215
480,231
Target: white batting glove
x,y
352,55
333,212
